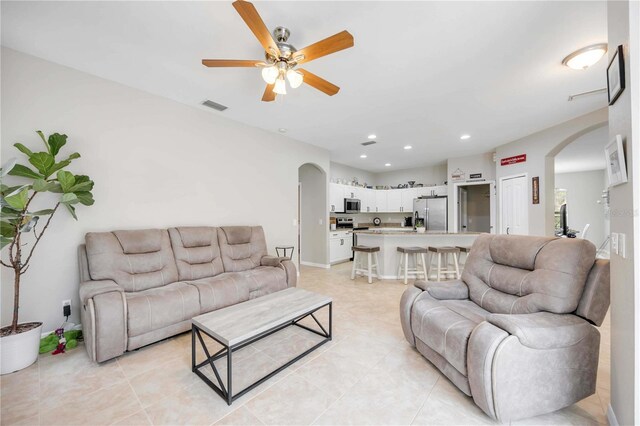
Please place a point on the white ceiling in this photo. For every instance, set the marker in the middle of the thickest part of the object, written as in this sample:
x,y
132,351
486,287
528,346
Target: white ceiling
x,y
585,153
421,73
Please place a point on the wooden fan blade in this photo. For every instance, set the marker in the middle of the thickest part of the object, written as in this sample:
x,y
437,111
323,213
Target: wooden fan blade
x,y
255,23
269,95
319,83
229,63
335,43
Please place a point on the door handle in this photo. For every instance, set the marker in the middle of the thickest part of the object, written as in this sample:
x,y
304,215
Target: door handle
x,y
341,242
507,230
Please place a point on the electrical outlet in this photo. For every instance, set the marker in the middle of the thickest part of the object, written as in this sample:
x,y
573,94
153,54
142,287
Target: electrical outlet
x,y
66,308
621,246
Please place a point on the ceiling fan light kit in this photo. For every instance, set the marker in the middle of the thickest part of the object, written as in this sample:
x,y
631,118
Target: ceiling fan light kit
x,y
282,57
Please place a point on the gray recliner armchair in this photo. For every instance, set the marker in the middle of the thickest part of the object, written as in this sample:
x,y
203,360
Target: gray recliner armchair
x,y
516,332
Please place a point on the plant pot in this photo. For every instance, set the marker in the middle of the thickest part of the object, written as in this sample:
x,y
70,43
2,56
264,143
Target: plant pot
x,y
420,230
18,351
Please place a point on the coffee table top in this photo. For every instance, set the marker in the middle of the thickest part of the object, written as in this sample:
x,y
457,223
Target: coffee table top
x,y
237,323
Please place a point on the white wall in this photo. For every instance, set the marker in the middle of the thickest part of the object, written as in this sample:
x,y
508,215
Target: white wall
x,y
156,163
430,175
624,18
473,164
347,173
540,149
313,212
584,189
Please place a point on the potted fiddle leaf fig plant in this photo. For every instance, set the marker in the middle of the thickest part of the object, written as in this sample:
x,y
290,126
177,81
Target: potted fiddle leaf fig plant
x,y
22,229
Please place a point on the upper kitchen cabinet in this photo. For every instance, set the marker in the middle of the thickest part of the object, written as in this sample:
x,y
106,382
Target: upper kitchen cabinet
x,y
432,191
408,195
368,200
394,200
380,198
336,198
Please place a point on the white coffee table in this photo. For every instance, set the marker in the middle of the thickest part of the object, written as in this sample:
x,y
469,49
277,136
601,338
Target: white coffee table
x,y
240,325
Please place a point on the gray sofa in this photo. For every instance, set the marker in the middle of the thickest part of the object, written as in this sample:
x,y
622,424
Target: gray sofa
x,y
516,332
141,286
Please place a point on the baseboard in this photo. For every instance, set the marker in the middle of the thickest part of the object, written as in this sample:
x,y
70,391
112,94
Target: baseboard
x,y
315,265
611,417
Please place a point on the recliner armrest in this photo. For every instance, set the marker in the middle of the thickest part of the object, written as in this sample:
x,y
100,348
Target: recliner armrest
x,y
543,330
447,290
90,289
272,260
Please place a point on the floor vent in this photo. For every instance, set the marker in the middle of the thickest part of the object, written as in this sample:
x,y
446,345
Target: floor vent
x,y
367,143
214,105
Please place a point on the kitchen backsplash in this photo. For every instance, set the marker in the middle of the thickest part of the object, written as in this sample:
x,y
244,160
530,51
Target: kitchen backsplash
x,y
366,219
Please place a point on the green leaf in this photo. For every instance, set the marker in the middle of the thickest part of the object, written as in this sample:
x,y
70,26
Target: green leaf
x,y
58,166
45,212
23,149
9,214
41,185
7,229
82,186
18,201
72,210
69,198
43,138
73,156
66,179
43,162
5,241
6,191
56,188
85,198
24,171
56,141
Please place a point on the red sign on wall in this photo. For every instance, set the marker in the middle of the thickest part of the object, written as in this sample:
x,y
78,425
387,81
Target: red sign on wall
x,y
513,160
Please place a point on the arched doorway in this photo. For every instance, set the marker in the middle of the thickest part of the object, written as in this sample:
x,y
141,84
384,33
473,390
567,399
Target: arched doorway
x,y
313,230
579,181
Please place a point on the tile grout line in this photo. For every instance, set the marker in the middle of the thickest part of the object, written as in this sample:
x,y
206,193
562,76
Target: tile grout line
x,y
425,401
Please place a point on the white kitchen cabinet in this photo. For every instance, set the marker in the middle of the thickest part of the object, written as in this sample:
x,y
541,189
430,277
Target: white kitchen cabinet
x,y
340,243
440,190
432,191
394,200
368,200
380,200
407,196
336,198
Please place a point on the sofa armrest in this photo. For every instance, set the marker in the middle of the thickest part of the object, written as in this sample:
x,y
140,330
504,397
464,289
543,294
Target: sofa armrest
x,y
272,260
448,290
543,330
90,289
291,270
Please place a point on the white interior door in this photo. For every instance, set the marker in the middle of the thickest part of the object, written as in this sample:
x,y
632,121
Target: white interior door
x,y
515,207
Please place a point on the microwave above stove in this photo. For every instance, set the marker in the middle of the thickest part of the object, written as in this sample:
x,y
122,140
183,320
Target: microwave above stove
x,y
351,205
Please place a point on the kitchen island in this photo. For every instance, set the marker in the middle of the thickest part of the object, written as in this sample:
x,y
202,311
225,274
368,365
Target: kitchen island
x,y
390,240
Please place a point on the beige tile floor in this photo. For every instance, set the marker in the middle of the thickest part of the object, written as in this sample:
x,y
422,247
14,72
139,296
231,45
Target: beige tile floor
x,y
367,375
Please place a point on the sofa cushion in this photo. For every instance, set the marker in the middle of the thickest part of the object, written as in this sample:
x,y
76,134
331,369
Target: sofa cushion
x,y
445,326
135,260
241,247
267,279
156,308
197,252
520,275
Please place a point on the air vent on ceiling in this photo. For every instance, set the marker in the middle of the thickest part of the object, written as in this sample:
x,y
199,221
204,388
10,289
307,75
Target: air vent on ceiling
x,y
214,105
367,143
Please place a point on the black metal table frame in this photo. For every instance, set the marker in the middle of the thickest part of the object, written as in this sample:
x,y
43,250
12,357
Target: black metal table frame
x,y
226,393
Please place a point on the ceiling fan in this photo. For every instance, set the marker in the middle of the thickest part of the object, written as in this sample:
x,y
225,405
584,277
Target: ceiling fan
x,y
282,58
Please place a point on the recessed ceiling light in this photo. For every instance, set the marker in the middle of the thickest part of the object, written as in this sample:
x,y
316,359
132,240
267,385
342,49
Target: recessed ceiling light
x,y
372,136
387,164
282,130
363,156
408,147
583,58
465,137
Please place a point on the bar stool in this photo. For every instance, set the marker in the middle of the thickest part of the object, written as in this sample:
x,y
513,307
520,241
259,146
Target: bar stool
x,y
463,250
358,251
445,252
403,262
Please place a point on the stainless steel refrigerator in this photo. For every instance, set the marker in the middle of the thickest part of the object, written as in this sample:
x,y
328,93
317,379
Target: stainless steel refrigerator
x,y
434,212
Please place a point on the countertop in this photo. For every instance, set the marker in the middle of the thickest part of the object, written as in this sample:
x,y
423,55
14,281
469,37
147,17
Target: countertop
x,y
411,233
